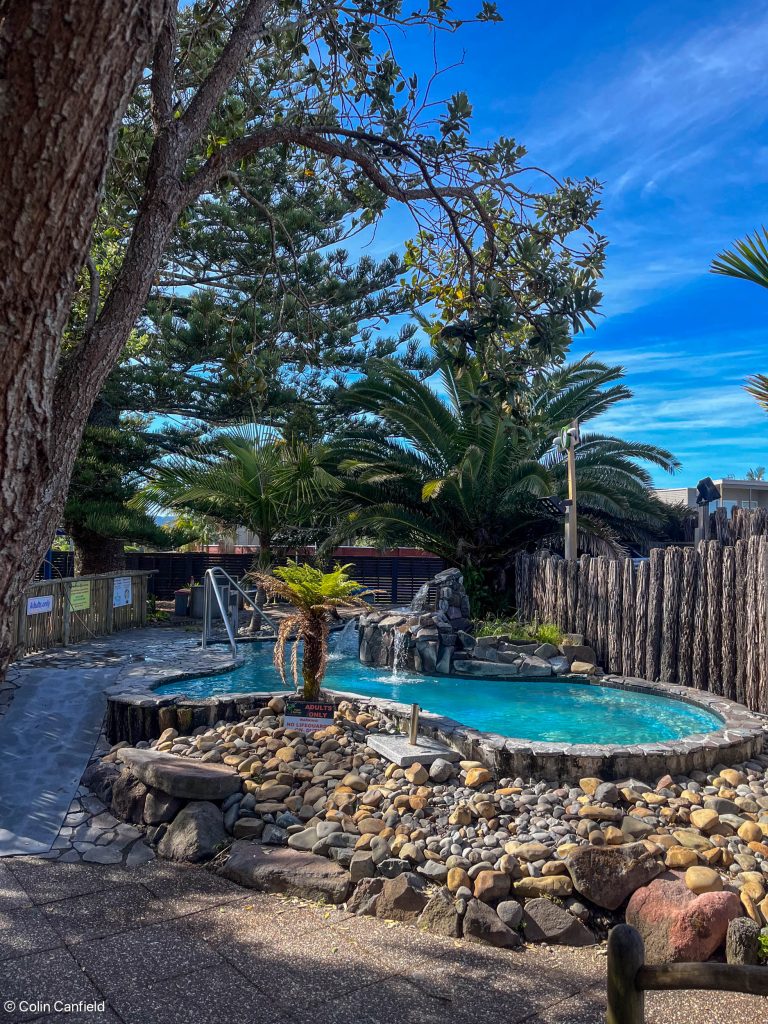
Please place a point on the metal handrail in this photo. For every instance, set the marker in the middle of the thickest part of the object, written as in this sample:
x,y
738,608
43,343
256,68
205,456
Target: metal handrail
x,y
212,584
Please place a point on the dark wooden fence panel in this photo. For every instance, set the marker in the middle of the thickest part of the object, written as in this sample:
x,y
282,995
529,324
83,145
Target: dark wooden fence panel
x,y
698,617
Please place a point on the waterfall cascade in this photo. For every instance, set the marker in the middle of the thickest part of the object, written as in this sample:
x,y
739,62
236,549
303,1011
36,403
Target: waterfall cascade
x,y
398,652
347,643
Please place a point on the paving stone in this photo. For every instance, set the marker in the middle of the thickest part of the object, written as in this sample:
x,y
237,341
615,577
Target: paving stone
x,y
104,913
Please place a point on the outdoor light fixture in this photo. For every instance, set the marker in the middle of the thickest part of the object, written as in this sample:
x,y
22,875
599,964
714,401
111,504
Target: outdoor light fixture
x,y
553,504
706,491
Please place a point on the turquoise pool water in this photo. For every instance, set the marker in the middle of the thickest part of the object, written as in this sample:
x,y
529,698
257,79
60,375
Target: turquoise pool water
x,y
526,709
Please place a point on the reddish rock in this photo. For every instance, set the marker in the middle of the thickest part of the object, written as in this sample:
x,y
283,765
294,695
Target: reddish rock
x,y
676,924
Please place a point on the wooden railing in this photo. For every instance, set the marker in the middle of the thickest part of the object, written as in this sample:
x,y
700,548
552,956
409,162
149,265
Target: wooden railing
x,y
629,977
59,612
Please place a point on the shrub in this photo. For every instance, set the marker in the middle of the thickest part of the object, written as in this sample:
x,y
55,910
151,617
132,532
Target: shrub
x,y
520,632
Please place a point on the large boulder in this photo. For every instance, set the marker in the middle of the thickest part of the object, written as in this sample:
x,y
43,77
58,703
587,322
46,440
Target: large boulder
x,y
99,777
545,921
607,875
679,925
180,776
128,797
196,834
440,915
280,869
742,942
160,807
483,924
401,898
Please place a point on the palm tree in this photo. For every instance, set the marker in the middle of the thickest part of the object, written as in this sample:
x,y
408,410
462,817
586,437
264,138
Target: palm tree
x,y
253,478
458,473
315,595
747,260
756,474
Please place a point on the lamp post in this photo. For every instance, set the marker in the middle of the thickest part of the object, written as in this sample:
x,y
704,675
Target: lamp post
x,y
706,491
566,441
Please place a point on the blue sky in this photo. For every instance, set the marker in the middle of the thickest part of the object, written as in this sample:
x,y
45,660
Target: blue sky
x,y
667,105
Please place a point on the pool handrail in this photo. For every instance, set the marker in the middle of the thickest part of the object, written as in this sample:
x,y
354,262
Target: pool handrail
x,y
211,584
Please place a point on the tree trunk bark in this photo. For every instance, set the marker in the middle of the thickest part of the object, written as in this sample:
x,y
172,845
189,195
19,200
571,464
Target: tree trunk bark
x,y
67,78
95,554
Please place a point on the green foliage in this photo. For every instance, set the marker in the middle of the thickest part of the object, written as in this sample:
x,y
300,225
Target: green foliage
x,y
312,588
762,947
520,632
459,472
747,260
251,478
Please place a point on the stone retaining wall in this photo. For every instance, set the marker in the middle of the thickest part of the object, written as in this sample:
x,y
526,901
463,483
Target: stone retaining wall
x,y
134,717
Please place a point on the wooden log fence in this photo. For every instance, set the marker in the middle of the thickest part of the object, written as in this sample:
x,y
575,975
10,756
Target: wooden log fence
x,y
629,977
55,613
693,616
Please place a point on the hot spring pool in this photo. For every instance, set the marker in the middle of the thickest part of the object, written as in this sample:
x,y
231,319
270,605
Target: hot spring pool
x,y
556,712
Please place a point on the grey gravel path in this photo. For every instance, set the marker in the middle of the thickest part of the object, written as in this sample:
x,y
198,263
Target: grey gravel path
x,y
52,722
161,944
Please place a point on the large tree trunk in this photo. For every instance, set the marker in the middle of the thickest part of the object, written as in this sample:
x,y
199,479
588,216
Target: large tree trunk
x,y
67,72
95,553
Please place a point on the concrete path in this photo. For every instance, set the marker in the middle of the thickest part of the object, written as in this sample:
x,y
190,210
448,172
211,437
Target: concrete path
x,y
163,944
51,724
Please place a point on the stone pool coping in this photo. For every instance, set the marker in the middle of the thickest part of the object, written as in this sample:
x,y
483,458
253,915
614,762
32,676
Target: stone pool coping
x,y
140,714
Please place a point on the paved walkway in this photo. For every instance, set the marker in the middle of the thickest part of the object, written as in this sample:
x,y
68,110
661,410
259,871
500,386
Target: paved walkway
x,y
161,944
53,719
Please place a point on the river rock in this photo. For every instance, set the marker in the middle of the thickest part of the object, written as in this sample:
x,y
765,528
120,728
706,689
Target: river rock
x,y
280,869
678,925
607,875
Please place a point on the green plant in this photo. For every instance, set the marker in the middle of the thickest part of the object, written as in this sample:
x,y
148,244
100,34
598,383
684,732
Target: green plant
x,y
762,947
460,473
520,632
314,595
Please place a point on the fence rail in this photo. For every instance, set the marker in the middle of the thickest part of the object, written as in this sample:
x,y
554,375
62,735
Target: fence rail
x,y
396,576
629,977
58,612
693,616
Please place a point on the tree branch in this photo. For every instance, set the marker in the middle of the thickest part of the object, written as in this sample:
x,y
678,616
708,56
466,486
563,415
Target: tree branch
x,y
249,28
93,298
162,73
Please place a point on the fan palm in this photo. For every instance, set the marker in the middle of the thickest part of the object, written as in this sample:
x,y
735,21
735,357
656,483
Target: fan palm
x,y
255,479
459,474
314,595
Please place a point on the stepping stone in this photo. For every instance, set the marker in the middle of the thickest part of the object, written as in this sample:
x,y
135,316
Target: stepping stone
x,y
180,777
397,749
280,869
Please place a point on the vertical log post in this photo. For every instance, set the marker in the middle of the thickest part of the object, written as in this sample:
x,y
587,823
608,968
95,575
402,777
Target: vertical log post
x,y
700,645
641,618
628,619
655,594
615,617
580,623
728,624
714,615
626,955
670,615
686,622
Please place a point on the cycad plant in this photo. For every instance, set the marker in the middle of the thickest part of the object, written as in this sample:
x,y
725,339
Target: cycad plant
x,y
457,472
314,596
